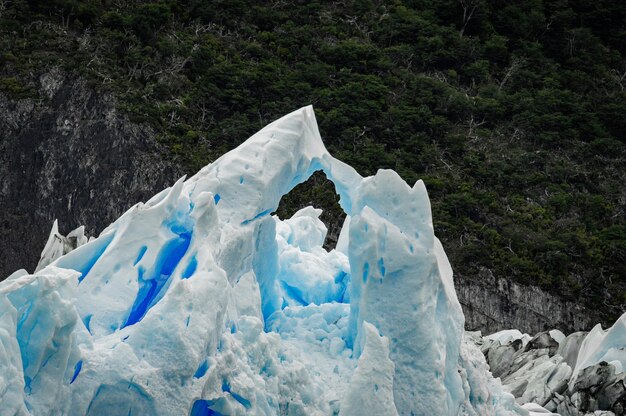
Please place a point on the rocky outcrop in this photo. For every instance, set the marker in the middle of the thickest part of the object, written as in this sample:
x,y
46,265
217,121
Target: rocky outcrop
x,y
540,371
67,153
492,304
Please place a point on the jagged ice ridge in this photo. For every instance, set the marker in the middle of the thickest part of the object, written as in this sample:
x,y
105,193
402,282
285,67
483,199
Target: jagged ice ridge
x,y
200,302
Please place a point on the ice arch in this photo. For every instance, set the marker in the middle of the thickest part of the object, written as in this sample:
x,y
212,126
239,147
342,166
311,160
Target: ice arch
x,y
193,301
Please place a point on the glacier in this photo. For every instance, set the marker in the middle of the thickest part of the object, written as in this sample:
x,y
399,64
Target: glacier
x,y
201,302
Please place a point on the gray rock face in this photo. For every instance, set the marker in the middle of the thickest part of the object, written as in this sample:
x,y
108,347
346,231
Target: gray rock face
x,y
69,155
536,372
492,304
570,346
599,388
543,340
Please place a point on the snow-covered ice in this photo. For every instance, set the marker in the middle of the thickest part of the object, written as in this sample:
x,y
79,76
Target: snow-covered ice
x,y
200,302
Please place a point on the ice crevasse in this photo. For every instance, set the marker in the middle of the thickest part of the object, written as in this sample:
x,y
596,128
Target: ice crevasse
x,y
200,302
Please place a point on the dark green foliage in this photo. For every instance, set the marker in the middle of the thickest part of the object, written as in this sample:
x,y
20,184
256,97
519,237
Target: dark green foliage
x,y
515,117
319,192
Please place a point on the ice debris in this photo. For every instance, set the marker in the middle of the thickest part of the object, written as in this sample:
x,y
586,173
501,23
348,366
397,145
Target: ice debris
x,y
201,302
58,244
575,375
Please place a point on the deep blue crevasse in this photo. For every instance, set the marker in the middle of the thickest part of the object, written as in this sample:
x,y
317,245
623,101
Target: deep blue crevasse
x,y
257,216
202,369
202,408
190,269
77,368
150,285
244,402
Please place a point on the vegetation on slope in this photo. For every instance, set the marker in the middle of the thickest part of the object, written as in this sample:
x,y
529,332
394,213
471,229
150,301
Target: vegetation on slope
x,y
513,113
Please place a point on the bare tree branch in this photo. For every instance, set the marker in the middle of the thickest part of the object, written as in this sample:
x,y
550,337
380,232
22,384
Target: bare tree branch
x,y
469,7
516,64
3,6
619,78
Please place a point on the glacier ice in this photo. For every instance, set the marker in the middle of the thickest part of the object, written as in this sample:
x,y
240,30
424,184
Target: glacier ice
x,y
58,244
201,302
371,386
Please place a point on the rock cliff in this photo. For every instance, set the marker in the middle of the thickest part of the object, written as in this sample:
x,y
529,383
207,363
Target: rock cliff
x,y
492,304
67,153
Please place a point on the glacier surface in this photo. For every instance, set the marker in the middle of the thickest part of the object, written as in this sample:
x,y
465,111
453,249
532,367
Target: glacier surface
x,y
200,302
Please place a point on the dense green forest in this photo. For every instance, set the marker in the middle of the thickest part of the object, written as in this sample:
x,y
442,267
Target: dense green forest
x,y
512,112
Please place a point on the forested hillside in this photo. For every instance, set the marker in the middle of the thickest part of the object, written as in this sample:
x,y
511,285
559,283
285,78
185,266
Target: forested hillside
x,y
512,112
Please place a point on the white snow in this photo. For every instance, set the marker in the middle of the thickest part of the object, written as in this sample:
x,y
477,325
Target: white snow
x,y
201,302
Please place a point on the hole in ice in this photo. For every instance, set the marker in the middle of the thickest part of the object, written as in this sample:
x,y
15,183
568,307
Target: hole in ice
x,y
77,368
202,408
320,192
190,269
150,286
217,198
85,257
201,371
187,321
241,180
142,251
